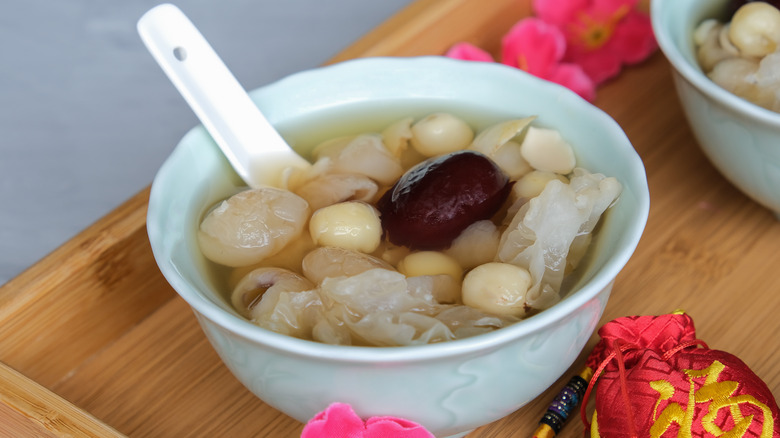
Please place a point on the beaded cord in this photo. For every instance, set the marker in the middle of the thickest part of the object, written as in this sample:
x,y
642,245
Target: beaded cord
x,y
567,399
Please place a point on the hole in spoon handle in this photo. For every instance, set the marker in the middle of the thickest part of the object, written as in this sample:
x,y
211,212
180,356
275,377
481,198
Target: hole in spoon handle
x,y
180,54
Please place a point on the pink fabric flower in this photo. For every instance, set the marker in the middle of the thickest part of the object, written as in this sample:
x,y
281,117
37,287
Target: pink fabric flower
x,y
538,48
601,35
340,421
468,52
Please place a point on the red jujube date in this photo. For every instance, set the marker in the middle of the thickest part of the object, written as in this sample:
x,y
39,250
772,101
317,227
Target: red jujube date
x,y
433,202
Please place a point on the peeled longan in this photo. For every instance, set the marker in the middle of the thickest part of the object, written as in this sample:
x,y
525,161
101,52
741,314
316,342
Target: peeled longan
x,y
251,226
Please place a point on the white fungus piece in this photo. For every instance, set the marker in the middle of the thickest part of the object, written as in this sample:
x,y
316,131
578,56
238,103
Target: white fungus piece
x,y
467,321
378,309
251,226
331,262
475,245
249,291
332,188
440,133
292,313
397,135
541,233
497,288
328,330
755,29
375,307
430,263
528,187
374,290
288,258
443,288
350,225
388,329
546,150
364,154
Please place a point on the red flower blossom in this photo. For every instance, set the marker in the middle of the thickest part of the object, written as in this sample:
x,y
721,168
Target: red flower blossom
x,y
468,52
537,48
601,35
339,420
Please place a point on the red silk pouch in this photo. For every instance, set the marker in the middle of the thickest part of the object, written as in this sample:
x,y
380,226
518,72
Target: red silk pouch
x,y
653,378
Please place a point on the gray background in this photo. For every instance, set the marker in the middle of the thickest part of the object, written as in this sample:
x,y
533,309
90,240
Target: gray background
x,y
87,116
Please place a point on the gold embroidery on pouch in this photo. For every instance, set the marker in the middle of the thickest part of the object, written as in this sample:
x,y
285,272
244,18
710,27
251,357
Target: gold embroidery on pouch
x,y
720,395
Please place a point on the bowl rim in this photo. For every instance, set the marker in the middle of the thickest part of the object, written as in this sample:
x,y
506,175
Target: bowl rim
x,y
659,9
418,353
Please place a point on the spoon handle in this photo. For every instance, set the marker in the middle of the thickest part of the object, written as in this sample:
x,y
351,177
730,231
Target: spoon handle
x,y
251,144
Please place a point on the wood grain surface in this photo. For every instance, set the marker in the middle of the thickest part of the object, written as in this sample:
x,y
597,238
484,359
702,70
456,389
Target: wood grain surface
x,y
94,329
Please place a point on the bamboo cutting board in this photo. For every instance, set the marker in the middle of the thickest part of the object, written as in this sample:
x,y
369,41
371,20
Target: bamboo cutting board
x,y
95,343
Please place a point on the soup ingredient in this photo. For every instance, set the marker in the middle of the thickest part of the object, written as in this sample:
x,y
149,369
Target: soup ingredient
x,y
498,142
476,245
743,56
364,154
510,159
377,307
252,225
734,5
332,188
497,288
755,29
430,263
397,135
436,200
544,228
251,288
532,183
288,258
395,273
325,262
350,225
440,133
713,44
545,150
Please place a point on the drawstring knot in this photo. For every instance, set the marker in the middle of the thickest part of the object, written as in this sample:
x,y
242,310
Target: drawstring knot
x,y
618,350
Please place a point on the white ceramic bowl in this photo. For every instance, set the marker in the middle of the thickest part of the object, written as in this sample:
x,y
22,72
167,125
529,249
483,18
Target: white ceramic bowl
x,y
741,139
450,388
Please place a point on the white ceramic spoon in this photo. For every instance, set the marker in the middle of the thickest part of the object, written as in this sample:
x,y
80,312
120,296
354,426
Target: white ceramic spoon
x,y
252,146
